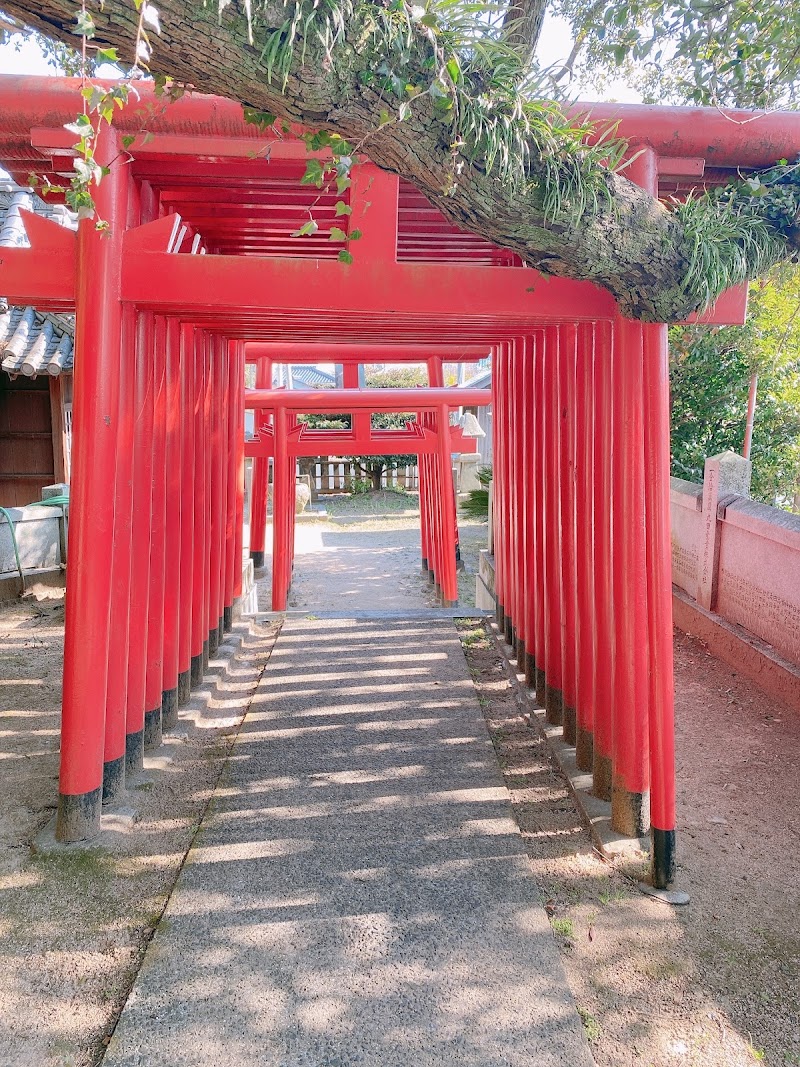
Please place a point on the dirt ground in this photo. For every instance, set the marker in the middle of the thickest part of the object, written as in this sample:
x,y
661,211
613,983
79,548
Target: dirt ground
x,y
714,984
711,985
74,924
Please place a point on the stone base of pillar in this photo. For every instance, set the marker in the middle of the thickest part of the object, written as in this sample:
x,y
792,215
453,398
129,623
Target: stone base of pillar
x,y
114,780
584,749
134,753
569,722
630,812
152,729
553,705
169,709
78,817
196,670
184,686
530,671
662,856
601,776
541,688
258,559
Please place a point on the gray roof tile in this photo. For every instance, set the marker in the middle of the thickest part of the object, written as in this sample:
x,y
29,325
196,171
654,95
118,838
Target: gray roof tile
x,y
31,342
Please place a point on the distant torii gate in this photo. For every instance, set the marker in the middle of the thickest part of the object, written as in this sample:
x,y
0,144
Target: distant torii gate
x,y
580,395
437,503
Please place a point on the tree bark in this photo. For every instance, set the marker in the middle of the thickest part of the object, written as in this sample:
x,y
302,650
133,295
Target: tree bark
x,y
524,19
632,245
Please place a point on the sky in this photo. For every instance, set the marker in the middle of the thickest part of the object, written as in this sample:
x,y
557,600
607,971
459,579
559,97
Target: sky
x,y
23,57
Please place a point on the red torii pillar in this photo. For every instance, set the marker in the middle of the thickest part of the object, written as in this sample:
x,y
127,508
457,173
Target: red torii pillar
x,y
96,417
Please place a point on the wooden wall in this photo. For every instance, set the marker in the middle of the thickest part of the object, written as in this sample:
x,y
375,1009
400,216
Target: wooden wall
x,y
26,439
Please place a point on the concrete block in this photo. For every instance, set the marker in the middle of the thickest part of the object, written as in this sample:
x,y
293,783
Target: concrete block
x,y
38,539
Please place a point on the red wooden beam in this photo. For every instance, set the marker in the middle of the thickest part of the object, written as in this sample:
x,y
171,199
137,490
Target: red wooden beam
x,y
349,400
391,352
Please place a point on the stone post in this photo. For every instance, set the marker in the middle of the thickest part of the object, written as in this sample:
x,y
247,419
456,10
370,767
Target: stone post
x,y
726,475
48,492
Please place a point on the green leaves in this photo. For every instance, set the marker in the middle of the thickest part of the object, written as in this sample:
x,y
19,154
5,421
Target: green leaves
x,y
263,119
345,257
337,234
342,208
84,24
308,229
314,173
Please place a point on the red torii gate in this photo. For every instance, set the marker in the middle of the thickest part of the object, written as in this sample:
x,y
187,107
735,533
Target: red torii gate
x,y
580,397
431,438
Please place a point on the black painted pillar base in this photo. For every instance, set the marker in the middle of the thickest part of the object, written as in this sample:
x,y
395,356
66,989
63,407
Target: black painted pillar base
x,y
449,603
196,670
205,655
425,566
258,559
630,812
78,817
553,705
569,723
530,671
662,858
169,709
213,641
508,631
500,617
601,776
520,655
227,619
114,780
541,688
221,629
134,753
584,749
432,577
152,729
184,687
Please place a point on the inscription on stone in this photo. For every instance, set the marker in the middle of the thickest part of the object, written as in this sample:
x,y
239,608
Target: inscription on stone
x,y
767,614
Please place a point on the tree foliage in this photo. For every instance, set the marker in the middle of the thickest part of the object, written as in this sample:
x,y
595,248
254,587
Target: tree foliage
x,y
732,54
710,374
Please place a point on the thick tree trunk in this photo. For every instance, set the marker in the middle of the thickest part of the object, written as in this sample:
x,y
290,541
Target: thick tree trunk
x,y
631,245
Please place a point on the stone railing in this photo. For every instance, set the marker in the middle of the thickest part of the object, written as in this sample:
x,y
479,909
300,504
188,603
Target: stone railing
x,y
739,563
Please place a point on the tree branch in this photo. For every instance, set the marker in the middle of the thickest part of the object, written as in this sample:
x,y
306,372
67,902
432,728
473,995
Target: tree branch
x,y
625,241
523,22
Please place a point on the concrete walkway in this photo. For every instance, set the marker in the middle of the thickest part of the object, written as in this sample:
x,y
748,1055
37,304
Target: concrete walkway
x,y
359,894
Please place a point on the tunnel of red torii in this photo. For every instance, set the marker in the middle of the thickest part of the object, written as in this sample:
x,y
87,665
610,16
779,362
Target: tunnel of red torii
x,y
580,395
